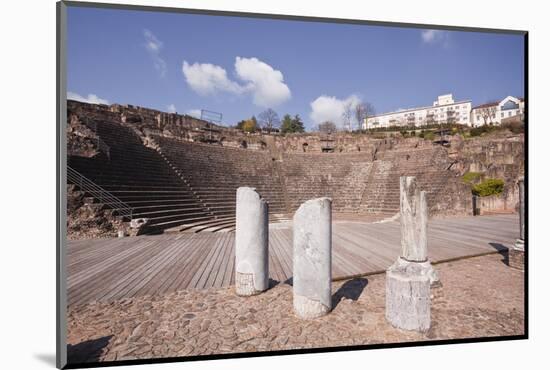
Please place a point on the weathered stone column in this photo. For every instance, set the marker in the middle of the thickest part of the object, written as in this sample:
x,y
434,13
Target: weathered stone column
x,y
409,279
414,220
521,210
312,265
251,243
516,256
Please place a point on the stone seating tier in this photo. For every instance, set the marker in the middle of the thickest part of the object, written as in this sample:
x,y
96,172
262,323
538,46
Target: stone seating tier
x,y
140,177
187,183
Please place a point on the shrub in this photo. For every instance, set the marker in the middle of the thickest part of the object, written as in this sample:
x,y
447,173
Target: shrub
x,y
477,131
515,127
471,177
488,187
429,135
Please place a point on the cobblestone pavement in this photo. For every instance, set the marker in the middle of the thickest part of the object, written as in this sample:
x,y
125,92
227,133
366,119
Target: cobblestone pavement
x,y
479,297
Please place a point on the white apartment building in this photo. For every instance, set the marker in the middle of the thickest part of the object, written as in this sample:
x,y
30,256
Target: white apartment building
x,y
443,110
508,109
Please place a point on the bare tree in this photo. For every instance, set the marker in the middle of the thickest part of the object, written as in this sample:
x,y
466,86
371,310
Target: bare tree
x,y
269,119
488,113
362,112
327,127
347,115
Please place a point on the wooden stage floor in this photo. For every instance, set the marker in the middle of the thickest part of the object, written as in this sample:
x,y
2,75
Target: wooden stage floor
x,y
110,269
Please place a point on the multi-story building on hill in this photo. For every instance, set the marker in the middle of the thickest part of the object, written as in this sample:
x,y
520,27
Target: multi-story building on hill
x,y
507,110
446,110
443,110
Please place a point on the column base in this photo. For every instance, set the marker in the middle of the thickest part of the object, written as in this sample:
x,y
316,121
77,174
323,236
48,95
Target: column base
x,y
516,255
408,295
307,308
244,285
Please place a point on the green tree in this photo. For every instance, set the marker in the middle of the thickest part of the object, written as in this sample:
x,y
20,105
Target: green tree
x,y
286,124
297,124
488,187
292,124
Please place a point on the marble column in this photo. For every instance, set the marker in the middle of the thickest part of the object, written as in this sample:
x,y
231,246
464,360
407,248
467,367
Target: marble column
x,y
414,220
516,255
251,243
312,262
409,279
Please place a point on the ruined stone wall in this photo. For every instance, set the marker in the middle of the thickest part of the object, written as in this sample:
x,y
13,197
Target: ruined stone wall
x,y
81,140
498,156
438,168
87,220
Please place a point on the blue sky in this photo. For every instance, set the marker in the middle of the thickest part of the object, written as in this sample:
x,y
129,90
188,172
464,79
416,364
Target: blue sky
x,y
241,66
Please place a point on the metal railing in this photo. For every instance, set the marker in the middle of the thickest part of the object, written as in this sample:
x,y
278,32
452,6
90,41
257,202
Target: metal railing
x,y
101,145
96,191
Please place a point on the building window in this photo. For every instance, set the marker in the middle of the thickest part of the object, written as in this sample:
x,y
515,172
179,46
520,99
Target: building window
x,y
501,114
478,117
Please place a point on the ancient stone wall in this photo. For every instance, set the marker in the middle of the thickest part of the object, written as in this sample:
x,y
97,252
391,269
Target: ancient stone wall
x,y
498,156
81,140
88,220
340,176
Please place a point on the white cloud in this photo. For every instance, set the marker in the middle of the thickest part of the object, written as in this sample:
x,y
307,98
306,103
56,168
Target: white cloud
x,y
209,79
259,79
265,83
92,98
194,113
153,47
435,36
171,108
330,108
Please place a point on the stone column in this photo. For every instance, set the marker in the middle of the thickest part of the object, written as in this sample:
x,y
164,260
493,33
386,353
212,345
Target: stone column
x,y
251,243
409,279
414,220
516,253
521,210
312,262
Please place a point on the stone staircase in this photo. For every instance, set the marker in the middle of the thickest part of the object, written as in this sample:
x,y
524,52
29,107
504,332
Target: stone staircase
x,y
140,177
214,173
429,165
340,176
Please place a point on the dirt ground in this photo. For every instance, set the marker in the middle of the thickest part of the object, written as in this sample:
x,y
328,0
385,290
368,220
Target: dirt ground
x,y
478,297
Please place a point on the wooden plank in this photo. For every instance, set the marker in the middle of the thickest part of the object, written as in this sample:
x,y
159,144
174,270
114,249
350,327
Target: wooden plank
x,y
135,276
219,263
188,266
108,269
276,255
94,288
230,266
227,246
167,272
286,251
202,268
